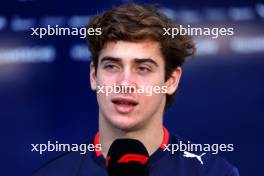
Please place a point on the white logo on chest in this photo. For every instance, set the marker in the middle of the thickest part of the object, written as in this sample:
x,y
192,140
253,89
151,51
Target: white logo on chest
x,y
192,155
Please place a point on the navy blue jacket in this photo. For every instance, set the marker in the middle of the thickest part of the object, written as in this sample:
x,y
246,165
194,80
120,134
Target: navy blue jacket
x,y
162,163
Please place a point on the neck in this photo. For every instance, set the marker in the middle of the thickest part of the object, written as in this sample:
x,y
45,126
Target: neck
x,y
150,135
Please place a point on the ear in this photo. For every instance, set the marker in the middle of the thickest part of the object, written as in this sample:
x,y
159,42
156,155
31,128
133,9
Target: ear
x,y
92,76
173,82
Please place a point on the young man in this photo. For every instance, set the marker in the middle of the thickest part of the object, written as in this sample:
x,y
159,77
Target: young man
x,y
133,53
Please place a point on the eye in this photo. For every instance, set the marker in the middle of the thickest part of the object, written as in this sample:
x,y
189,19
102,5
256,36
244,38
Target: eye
x,y
143,70
111,67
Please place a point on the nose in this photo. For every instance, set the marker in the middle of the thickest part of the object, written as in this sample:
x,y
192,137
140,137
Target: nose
x,y
127,81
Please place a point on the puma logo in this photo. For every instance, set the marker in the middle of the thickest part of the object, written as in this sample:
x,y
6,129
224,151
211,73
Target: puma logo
x,y
191,155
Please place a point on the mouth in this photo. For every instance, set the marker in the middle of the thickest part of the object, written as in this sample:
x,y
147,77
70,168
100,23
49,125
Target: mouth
x,y
124,105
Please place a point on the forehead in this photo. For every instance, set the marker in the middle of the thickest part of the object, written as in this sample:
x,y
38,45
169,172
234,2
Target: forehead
x,y
129,50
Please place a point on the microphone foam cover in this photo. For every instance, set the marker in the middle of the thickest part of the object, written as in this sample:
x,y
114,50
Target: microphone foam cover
x,y
127,157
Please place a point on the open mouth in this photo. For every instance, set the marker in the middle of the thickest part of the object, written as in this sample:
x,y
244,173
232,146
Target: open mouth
x,y
124,105
124,101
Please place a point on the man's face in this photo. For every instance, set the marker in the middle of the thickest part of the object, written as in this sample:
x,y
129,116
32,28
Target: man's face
x,y
137,65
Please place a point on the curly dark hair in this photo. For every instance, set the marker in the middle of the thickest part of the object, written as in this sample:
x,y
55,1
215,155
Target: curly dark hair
x,y
134,22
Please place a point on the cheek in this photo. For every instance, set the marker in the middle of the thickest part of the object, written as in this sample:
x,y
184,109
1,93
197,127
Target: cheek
x,y
151,104
155,78
153,86
104,102
104,79
152,97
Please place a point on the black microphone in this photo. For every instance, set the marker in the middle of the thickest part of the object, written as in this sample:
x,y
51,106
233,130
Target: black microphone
x,y
127,157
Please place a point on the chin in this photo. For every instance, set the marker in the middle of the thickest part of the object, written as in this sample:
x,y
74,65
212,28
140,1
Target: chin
x,y
124,124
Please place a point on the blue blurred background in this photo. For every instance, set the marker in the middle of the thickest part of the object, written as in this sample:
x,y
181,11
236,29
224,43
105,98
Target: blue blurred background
x,y
45,92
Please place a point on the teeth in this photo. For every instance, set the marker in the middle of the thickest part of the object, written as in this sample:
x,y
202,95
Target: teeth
x,y
124,103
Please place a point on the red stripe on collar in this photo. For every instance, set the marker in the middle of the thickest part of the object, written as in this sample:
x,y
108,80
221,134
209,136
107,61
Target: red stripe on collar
x,y
96,141
165,140
166,137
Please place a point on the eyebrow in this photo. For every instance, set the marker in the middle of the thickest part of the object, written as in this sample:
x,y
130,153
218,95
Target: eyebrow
x,y
143,60
108,58
136,60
